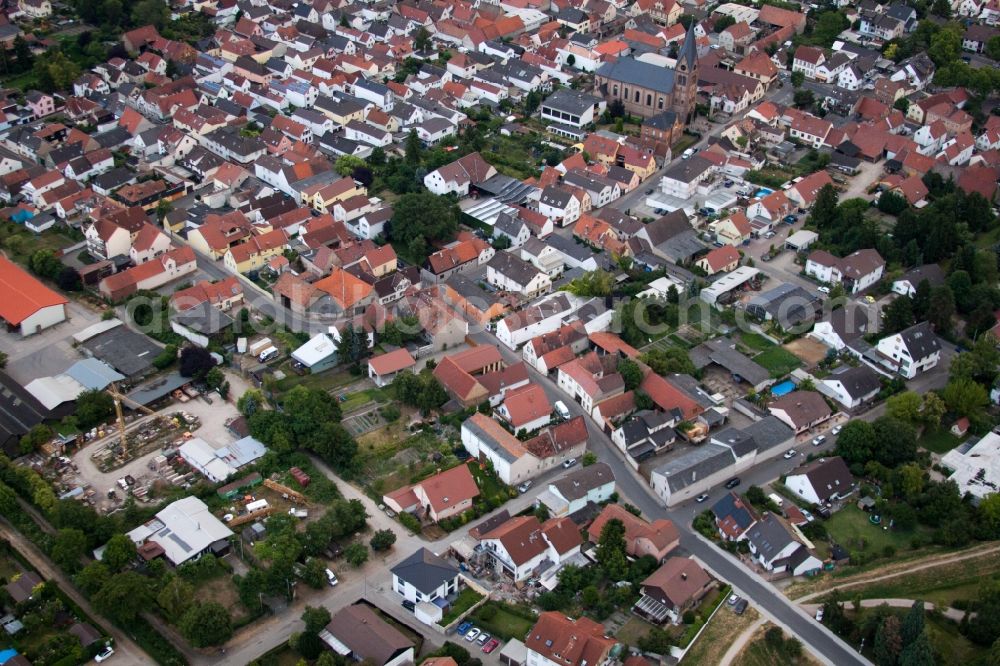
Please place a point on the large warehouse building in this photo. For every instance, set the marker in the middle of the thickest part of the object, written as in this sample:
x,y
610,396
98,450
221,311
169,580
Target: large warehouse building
x,y
28,305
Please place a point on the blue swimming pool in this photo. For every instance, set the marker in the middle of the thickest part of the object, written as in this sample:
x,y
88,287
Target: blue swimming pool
x,y
781,389
762,192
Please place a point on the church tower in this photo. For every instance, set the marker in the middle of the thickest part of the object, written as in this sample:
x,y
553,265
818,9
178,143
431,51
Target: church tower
x,y
686,77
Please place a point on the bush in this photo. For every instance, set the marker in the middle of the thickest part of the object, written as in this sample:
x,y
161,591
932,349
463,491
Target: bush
x,y
487,612
410,522
383,540
689,617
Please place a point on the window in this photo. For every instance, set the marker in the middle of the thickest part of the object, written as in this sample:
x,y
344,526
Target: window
x,y
649,100
614,91
637,96
660,104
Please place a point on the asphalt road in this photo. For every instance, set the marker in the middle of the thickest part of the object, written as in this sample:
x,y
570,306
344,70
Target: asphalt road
x,y
822,642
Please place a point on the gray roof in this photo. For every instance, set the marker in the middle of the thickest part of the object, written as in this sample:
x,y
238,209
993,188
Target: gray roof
x,y
204,319
425,571
92,373
801,304
513,267
570,101
685,171
569,248
930,272
859,381
769,433
694,465
367,635
769,537
508,224
123,349
829,477
578,483
723,353
920,341
638,73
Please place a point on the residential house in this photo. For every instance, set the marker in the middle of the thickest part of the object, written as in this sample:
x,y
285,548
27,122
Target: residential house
x,y
773,547
801,410
523,547
437,497
556,640
720,259
514,461
910,352
853,387
657,539
510,273
856,272
590,485
822,481
425,577
677,586
383,369
733,517
358,633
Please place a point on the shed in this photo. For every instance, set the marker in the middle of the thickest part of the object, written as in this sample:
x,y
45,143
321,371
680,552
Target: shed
x,y
801,240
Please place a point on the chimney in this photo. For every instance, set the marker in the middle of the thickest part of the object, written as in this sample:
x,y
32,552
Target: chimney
x,y
684,576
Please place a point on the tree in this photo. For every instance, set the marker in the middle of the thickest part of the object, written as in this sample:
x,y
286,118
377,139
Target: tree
x,y
421,40
383,540
946,45
918,653
346,164
93,577
891,202
856,442
895,441
196,362
798,78
904,406
175,598
150,12
803,98
356,554
933,410
251,401
902,104
22,53
414,148
316,618
124,596
207,623
571,60
824,211
941,308
630,372
594,283
419,219
56,71
611,550
589,458
913,623
888,642
897,316
68,548
68,279
829,24
668,361
965,397
119,552
38,435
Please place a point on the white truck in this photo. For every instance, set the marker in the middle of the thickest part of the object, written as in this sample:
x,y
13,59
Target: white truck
x,y
267,354
257,347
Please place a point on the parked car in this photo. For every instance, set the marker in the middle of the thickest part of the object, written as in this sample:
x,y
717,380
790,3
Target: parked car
x,y
733,598
701,498
523,488
569,463
104,654
687,153
836,430
562,410
869,299
808,516
770,234
727,183
464,627
741,606
331,578
409,605
819,440
649,191
823,289
491,646
483,639
733,482
789,454
473,634
819,614
790,219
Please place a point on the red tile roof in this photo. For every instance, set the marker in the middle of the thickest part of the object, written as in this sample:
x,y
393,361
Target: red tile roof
x,y
24,295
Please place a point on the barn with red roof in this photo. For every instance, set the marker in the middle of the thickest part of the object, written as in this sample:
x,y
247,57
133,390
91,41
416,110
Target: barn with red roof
x,y
29,306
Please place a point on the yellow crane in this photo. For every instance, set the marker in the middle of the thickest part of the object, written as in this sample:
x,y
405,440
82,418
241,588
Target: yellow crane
x,y
119,398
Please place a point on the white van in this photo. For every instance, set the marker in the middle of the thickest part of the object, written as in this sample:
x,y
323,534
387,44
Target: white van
x,y
776,498
256,505
562,410
267,354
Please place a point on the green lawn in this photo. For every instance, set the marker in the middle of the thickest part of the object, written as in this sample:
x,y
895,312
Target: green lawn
x,y
939,440
950,647
466,599
327,381
756,341
506,623
778,361
851,528
489,484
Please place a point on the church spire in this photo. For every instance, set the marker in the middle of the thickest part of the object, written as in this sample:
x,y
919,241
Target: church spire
x,y
689,50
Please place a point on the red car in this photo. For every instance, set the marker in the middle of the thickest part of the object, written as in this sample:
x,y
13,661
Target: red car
x,y
492,645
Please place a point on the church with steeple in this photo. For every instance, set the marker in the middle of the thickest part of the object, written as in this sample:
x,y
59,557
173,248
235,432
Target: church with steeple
x,y
648,88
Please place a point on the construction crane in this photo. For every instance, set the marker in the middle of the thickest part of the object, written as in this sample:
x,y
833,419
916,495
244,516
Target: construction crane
x,y
119,398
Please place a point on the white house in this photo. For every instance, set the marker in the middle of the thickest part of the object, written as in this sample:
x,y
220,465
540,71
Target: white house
x,y
523,547
776,550
35,307
560,205
912,351
518,327
822,481
509,272
853,387
573,492
856,272
424,577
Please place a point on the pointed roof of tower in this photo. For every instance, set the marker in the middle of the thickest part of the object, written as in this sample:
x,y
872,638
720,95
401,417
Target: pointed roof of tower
x,y
689,50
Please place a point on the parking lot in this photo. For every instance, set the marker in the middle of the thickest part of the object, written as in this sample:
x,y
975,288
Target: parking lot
x,y
49,352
